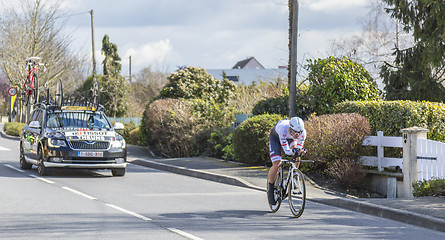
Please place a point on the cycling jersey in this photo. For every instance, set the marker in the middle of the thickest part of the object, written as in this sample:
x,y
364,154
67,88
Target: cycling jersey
x,y
281,138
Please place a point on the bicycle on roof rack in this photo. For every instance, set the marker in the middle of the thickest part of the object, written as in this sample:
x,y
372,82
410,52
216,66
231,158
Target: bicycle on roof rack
x,y
89,101
31,84
292,187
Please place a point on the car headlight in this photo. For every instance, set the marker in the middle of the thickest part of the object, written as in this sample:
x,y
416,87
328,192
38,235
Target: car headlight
x,y
54,142
118,143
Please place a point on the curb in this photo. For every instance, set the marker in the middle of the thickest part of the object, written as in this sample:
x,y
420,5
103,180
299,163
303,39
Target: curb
x,y
341,202
386,212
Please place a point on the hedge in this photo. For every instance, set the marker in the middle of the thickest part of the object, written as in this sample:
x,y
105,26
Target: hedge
x,y
250,140
13,128
392,116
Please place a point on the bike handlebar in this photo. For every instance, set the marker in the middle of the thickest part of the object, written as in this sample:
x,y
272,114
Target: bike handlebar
x,y
297,155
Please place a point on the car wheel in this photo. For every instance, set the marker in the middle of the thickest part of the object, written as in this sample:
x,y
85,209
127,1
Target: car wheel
x,y
119,172
41,169
23,163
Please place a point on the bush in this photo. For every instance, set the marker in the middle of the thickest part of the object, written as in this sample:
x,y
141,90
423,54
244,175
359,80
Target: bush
x,y
276,105
170,126
13,128
200,142
128,127
134,137
392,116
434,187
220,142
280,105
196,83
246,97
335,141
335,136
333,80
250,140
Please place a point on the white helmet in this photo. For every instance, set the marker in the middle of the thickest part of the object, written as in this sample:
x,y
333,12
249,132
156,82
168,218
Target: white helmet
x,y
296,124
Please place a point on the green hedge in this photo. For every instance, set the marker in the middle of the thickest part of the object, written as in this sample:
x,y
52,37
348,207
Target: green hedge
x,y
13,128
392,116
434,187
250,140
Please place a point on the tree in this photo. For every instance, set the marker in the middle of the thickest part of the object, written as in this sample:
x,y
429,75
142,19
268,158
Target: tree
x,y
147,84
418,71
195,82
111,63
37,31
113,86
375,44
333,80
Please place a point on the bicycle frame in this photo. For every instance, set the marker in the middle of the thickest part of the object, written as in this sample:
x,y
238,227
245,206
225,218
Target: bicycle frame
x,y
285,184
32,68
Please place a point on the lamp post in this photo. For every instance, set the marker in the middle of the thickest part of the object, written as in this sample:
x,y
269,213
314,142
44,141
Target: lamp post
x,y
92,42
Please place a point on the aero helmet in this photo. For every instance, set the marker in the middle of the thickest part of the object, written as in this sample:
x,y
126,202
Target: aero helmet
x,y
296,124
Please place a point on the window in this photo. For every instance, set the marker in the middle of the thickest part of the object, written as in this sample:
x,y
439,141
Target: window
x,y
91,120
233,78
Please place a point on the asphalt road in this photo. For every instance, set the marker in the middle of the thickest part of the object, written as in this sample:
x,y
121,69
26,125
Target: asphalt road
x,y
152,204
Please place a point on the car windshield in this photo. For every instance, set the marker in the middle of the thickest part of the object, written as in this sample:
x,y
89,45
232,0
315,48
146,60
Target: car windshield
x,y
76,120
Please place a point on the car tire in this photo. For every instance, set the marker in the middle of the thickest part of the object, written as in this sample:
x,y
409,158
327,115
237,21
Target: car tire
x,y
41,169
118,172
23,163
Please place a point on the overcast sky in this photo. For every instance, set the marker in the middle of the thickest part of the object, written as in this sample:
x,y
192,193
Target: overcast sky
x,y
212,34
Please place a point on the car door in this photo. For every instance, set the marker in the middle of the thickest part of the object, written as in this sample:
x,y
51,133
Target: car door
x,y
31,134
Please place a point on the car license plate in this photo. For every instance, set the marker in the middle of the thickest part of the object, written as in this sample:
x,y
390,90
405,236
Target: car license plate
x,y
90,154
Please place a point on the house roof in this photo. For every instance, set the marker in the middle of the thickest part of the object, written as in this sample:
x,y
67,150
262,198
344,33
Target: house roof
x,y
249,63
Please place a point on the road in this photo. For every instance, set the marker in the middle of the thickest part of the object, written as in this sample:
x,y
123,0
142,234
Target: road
x,y
151,204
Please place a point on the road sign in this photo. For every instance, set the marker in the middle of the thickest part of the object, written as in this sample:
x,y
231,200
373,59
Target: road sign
x,y
12,91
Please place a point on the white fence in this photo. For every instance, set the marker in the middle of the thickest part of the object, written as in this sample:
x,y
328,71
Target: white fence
x,y
430,156
381,161
430,159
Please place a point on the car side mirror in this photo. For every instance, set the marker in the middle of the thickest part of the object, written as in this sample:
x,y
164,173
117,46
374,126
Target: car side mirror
x,y
34,124
118,126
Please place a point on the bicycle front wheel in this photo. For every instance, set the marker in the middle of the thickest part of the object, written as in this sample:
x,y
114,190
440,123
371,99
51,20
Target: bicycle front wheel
x,y
297,193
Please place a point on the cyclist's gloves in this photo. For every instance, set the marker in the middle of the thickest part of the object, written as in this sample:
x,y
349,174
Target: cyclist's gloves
x,y
296,150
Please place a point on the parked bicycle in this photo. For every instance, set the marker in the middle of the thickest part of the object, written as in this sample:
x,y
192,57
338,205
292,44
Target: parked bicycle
x,y
291,187
31,85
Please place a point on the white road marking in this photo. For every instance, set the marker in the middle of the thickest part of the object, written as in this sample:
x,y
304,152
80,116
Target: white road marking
x,y
4,149
41,179
12,167
184,234
129,212
216,194
79,193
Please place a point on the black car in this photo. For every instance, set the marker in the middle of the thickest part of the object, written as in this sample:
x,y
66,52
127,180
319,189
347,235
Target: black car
x,y
72,137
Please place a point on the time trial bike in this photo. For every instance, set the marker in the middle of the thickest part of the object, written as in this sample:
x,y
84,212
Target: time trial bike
x,y
291,187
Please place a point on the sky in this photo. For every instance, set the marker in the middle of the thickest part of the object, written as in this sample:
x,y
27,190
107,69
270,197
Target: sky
x,y
212,34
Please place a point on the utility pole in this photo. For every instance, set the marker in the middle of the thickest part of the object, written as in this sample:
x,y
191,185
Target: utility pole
x,y
293,56
92,40
130,67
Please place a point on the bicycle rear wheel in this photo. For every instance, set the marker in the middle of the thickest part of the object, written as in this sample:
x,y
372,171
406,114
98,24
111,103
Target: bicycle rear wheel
x,y
278,182
35,91
96,94
297,193
59,94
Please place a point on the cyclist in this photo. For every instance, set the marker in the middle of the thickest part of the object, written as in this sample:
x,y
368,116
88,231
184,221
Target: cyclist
x,y
288,135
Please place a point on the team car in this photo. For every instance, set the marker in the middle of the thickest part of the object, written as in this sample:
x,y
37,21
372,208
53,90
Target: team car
x,y
80,137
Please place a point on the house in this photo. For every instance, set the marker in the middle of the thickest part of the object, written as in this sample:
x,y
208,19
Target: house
x,y
249,71
249,63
